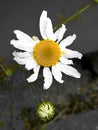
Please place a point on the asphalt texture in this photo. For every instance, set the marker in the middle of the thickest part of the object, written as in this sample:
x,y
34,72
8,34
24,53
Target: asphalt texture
x,y
16,94
83,121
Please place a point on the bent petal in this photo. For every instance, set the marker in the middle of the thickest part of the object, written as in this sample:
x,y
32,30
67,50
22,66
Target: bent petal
x,y
67,41
69,70
72,54
22,36
24,42
47,77
57,74
60,33
34,76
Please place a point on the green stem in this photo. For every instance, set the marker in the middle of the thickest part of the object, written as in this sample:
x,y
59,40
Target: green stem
x,y
65,21
2,68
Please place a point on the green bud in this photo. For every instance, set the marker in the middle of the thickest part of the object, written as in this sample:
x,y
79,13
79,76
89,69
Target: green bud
x,y
8,72
45,111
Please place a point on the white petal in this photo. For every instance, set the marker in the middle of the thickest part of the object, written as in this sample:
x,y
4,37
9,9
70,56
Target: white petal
x,y
24,58
31,64
49,29
69,70
42,24
57,74
47,77
22,45
20,60
25,42
34,76
72,54
60,33
67,41
25,38
21,54
66,61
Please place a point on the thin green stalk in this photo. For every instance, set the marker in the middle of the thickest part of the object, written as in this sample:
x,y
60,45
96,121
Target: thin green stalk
x,y
6,71
65,21
2,68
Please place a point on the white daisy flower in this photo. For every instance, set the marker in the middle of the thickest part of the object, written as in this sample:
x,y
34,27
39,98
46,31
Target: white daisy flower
x,y
50,52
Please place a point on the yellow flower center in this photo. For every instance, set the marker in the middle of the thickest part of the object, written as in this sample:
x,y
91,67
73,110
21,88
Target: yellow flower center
x,y
47,52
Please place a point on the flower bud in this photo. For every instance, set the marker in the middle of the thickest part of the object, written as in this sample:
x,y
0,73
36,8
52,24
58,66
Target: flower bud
x,y
45,111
